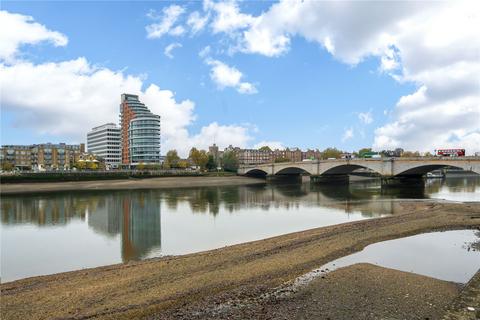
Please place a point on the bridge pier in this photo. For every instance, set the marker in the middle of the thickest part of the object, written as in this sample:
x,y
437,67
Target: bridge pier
x,y
331,179
284,178
403,181
403,187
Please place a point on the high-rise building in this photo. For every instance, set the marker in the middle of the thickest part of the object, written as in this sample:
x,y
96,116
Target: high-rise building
x,y
104,141
140,132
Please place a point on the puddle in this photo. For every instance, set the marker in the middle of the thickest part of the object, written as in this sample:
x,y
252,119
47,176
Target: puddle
x,y
449,255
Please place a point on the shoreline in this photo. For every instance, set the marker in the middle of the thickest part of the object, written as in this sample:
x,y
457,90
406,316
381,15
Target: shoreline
x,y
126,184
168,286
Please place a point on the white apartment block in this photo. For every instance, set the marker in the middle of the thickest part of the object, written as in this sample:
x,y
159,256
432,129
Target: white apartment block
x,y
104,141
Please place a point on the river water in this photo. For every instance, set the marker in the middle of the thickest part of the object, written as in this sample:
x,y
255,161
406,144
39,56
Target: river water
x,y
49,233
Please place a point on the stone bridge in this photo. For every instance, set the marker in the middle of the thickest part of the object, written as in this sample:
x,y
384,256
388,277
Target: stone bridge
x,y
385,167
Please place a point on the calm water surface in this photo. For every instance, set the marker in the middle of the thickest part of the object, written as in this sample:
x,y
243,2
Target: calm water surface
x,y
50,233
450,255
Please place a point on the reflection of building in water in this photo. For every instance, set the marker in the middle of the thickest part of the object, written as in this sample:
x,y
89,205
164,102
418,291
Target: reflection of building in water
x,y
104,219
135,216
42,210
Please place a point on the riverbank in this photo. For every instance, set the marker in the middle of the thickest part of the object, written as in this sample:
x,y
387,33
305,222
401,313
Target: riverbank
x,y
185,286
127,184
361,291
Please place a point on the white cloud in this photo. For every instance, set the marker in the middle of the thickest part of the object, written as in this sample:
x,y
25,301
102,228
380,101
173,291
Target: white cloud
x,y
19,29
226,76
247,88
222,135
196,22
168,49
204,52
68,98
166,24
365,117
272,144
347,134
434,45
227,16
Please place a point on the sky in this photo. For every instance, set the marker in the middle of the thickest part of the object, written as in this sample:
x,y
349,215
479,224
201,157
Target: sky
x,y
307,74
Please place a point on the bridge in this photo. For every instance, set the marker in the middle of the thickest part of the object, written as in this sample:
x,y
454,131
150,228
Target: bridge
x,y
385,167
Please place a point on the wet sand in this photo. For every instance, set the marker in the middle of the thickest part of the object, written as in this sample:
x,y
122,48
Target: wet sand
x,y
185,286
126,184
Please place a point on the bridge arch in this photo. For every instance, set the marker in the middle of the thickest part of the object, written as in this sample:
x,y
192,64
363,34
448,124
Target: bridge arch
x,y
424,169
346,169
256,173
291,170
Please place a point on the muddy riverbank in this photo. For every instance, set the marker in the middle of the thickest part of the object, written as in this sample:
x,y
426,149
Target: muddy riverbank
x,y
360,291
126,184
181,286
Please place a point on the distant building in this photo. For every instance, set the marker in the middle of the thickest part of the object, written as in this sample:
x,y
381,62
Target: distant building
x,y
104,141
45,156
257,156
214,151
311,155
251,156
140,132
293,155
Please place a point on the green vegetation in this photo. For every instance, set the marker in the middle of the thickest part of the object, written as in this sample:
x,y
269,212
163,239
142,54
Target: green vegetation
x,y
331,153
265,149
199,158
7,166
230,161
171,159
281,159
211,163
89,176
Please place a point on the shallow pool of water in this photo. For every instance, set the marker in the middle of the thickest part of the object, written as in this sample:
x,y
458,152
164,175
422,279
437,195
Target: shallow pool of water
x,y
449,255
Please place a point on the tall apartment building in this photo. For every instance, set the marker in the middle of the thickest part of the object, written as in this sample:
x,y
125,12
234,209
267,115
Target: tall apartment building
x,y
104,141
42,156
140,132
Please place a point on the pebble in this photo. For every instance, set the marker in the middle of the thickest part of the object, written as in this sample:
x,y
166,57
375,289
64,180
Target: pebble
x,y
470,308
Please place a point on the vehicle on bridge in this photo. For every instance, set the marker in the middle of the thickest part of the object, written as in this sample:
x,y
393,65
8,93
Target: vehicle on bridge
x,y
450,152
370,154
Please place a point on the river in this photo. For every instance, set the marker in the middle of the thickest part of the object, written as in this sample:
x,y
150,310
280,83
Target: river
x,y
49,233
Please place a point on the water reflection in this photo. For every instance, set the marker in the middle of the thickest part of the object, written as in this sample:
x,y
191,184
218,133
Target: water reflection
x,y
133,216
96,228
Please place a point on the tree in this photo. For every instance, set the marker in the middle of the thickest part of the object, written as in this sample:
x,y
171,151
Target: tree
x,y
7,166
199,158
281,159
141,166
80,165
182,164
265,149
171,159
92,165
331,153
230,161
211,163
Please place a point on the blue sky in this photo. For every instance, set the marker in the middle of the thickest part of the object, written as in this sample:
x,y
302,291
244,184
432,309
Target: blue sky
x,y
314,92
